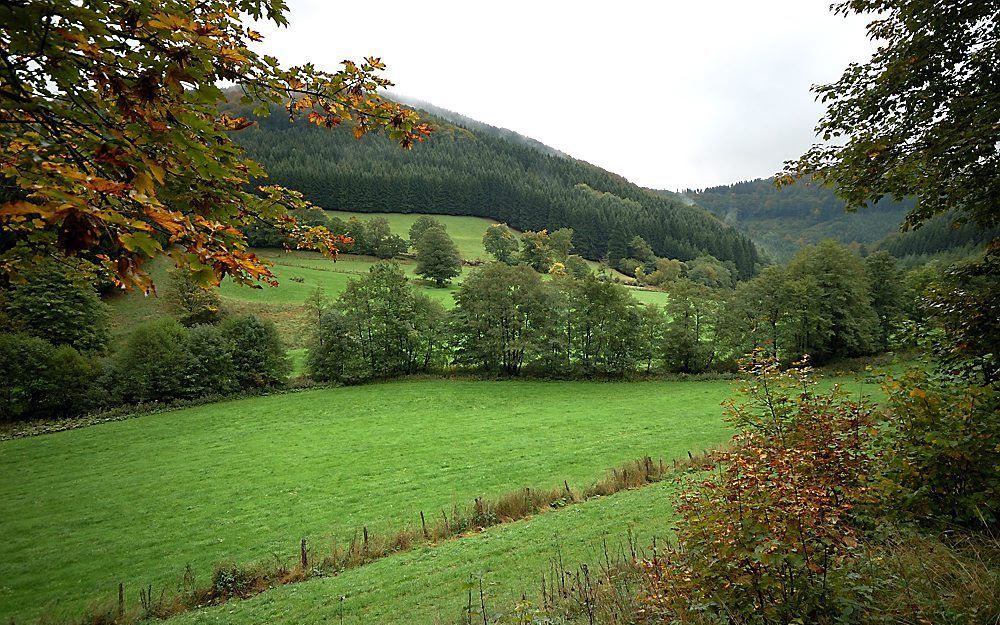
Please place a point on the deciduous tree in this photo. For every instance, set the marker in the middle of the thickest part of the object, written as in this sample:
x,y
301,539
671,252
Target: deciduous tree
x,y
920,118
500,243
114,146
437,256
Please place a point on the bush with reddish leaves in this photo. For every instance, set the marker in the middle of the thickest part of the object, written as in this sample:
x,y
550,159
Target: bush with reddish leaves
x,y
769,534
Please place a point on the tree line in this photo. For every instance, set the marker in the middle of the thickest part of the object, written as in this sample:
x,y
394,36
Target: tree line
x,y
550,318
511,320
58,360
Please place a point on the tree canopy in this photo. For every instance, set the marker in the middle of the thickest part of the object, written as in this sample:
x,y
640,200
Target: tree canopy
x,y
437,256
481,173
921,117
114,147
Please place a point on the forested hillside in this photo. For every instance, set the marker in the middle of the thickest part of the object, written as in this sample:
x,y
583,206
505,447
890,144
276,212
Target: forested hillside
x,y
479,172
783,220
940,235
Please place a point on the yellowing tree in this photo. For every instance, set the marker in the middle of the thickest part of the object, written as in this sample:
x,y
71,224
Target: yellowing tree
x,y
114,147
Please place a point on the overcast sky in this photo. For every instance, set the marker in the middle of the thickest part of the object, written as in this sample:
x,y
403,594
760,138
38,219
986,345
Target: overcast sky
x,y
669,94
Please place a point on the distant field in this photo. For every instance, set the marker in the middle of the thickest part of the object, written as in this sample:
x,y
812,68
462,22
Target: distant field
x,y
299,273
467,232
135,501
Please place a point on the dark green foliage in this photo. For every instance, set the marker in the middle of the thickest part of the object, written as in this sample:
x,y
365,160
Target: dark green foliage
x,y
509,319
335,354
630,266
919,119
886,291
830,304
210,369
475,172
57,305
437,256
502,318
602,327
783,220
640,250
945,452
388,326
154,363
561,244
576,266
937,235
756,315
501,243
380,241
421,225
965,305
258,355
652,323
38,379
688,345
194,303
819,305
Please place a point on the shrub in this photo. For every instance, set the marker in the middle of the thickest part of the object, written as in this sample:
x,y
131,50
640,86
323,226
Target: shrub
x,y
334,354
154,364
210,368
770,535
38,379
258,355
55,305
231,581
945,451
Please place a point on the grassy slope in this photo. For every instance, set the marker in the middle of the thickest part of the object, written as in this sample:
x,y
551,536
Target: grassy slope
x,y
427,585
299,273
467,232
137,500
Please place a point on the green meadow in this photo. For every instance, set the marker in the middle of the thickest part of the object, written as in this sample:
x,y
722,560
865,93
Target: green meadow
x,y
466,232
429,585
137,501
300,273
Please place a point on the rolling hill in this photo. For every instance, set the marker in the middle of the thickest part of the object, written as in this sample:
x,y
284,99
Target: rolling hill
x,y
780,221
477,170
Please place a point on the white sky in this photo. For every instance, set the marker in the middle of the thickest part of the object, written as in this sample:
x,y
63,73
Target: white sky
x,y
671,94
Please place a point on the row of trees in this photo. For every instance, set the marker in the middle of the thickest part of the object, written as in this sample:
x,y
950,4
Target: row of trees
x,y
369,237
57,358
510,319
543,251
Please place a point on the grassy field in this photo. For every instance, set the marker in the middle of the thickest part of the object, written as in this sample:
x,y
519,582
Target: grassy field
x,y
137,500
299,273
467,232
427,585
